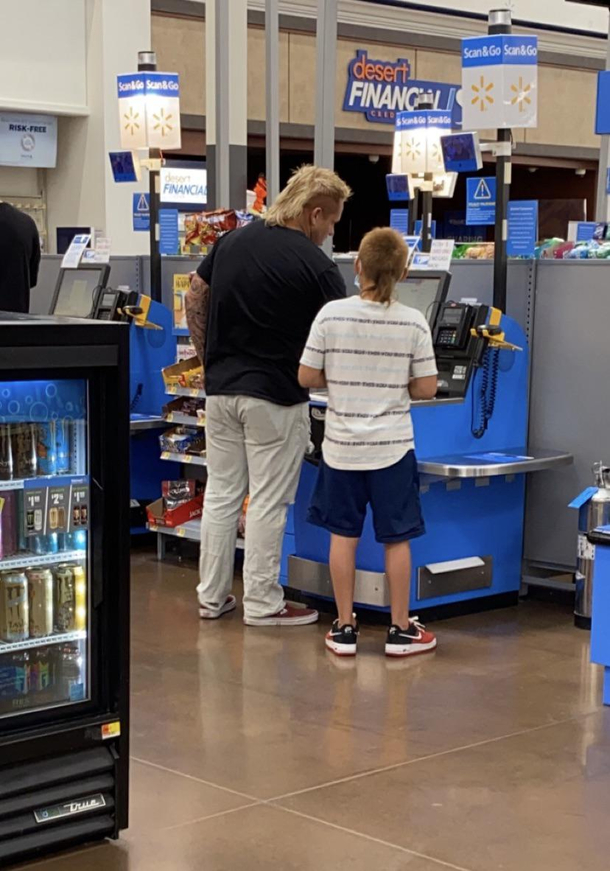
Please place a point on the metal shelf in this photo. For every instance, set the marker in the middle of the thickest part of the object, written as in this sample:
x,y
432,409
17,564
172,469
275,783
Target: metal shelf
x,y
145,422
190,530
26,560
184,419
32,643
189,459
174,390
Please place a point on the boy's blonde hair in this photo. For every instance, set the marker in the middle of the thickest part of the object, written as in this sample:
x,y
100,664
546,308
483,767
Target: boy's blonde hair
x,y
309,186
383,256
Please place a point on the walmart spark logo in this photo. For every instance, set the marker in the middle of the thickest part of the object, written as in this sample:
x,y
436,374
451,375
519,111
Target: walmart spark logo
x,y
131,119
482,94
522,95
413,149
163,122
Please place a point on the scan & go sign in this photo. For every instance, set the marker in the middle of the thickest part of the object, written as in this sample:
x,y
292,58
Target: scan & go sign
x,y
380,89
149,110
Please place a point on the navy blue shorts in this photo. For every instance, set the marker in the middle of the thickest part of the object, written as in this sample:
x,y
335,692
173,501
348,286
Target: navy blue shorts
x,y
340,498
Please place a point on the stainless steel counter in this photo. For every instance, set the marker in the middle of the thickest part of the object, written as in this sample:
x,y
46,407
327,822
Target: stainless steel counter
x,y
489,464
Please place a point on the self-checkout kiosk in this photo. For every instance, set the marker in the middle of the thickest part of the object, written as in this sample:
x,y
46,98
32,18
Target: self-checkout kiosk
x,y
470,444
84,293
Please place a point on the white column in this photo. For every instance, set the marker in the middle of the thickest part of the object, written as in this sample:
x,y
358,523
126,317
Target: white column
x,y
81,190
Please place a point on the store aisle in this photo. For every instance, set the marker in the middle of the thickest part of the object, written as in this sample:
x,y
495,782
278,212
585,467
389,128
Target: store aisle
x,y
255,749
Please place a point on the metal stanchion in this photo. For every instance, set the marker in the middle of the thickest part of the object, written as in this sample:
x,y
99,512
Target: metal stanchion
x,y
147,62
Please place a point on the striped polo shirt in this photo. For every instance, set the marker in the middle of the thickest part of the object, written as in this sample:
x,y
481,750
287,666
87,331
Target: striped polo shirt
x,y
369,352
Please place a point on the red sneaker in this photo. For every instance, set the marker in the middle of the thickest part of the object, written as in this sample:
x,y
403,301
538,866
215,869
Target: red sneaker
x,y
229,605
288,616
408,642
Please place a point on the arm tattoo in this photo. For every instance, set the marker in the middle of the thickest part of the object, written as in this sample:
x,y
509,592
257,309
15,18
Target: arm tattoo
x,y
196,303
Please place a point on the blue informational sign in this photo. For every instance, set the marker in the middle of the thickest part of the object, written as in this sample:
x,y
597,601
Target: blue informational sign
x,y
585,230
123,166
480,201
141,211
379,89
602,114
522,228
399,220
168,231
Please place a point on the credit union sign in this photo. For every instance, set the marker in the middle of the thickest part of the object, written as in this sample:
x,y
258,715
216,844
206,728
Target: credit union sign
x,y
380,89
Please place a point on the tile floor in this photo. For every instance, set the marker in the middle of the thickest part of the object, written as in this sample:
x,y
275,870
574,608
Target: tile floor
x,y
254,749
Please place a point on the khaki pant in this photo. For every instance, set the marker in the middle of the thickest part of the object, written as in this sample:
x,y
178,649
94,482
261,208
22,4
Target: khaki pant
x,y
255,447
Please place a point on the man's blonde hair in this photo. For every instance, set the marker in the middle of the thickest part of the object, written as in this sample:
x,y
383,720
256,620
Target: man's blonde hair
x,y
309,186
383,256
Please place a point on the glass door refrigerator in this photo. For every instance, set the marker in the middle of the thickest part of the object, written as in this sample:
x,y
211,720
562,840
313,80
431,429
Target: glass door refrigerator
x,y
64,583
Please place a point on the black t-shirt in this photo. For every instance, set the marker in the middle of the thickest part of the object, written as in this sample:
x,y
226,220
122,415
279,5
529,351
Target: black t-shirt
x,y
267,284
19,259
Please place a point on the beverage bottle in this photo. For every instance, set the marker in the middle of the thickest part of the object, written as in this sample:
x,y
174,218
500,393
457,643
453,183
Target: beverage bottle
x,y
70,686
6,452
8,524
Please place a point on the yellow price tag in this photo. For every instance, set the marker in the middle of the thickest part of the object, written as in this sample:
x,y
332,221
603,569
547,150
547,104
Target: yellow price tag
x,y
187,458
111,730
181,282
181,532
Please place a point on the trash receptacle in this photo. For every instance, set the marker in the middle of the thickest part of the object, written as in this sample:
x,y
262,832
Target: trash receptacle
x,y
594,510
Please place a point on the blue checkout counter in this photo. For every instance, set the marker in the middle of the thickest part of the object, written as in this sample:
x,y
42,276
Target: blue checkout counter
x,y
470,444
600,622
83,293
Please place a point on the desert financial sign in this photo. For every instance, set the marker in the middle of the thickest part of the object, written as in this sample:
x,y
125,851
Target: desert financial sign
x,y
379,89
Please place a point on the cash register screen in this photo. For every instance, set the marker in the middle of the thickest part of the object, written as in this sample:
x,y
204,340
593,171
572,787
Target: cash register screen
x,y
75,292
420,293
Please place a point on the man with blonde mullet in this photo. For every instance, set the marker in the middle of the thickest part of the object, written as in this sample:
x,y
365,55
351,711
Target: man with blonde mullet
x,y
249,309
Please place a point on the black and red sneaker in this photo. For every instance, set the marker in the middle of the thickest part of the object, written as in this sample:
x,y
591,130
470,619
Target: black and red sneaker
x,y
411,641
343,640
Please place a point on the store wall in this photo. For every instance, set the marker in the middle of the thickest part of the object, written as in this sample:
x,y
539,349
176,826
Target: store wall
x,y
566,96
81,190
19,181
43,55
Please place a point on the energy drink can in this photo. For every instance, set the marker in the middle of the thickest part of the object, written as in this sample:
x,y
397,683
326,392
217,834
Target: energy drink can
x,y
14,606
80,597
65,598
40,591
40,672
63,431
24,440
46,447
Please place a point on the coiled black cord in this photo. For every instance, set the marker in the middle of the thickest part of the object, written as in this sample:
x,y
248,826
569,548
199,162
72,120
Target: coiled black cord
x,y
486,393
